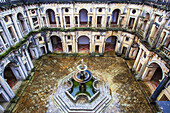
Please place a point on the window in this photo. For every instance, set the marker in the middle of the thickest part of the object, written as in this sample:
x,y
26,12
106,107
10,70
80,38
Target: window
x,y
91,10
160,19
100,9
33,11
75,9
68,37
59,20
6,19
57,10
144,55
127,38
66,10
98,37
109,9
133,11
40,38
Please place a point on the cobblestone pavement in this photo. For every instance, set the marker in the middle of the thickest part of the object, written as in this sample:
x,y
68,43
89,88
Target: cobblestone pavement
x,y
127,97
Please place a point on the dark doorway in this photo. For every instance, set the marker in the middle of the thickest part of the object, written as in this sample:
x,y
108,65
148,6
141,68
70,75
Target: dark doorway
x,y
57,44
110,43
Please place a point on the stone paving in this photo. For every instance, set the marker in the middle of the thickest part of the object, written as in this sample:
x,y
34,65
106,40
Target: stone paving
x,y
127,96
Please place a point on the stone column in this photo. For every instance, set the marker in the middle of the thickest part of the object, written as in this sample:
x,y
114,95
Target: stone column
x,y
50,46
18,74
129,47
22,66
136,21
72,20
105,17
137,59
30,20
94,17
61,17
120,45
102,44
2,42
143,67
74,43
160,87
40,19
92,43
64,44
29,59
25,24
127,18
157,36
38,48
16,26
6,87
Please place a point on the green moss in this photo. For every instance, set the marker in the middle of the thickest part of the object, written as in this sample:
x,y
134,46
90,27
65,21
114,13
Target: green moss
x,y
45,29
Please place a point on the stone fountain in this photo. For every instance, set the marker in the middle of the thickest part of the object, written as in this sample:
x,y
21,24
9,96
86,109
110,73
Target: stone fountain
x,y
80,92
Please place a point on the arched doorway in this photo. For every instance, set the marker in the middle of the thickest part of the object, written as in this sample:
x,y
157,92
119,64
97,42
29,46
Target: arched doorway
x,y
83,14
22,23
56,44
51,17
83,44
154,74
9,75
110,43
115,16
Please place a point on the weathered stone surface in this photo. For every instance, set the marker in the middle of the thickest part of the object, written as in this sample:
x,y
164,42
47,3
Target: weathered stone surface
x,y
127,96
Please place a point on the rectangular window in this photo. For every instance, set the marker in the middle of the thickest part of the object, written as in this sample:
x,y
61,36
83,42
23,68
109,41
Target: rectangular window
x,y
69,37
1,34
57,10
70,48
98,37
75,9
11,32
91,10
67,19
76,19
90,20
109,9
58,20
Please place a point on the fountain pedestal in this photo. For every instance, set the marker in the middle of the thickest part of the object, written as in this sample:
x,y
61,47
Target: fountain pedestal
x,y
82,85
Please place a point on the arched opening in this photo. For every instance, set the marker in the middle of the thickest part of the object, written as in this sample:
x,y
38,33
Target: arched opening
x,y
154,74
56,44
22,23
51,17
83,44
110,43
115,16
145,21
83,14
9,75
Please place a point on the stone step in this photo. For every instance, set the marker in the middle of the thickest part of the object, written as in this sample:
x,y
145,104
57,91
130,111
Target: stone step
x,y
95,110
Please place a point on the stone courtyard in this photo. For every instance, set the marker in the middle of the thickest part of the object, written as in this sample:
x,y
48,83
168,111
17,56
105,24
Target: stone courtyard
x,y
126,94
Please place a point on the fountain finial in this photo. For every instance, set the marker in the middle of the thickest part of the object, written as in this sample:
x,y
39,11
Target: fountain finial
x,y
82,64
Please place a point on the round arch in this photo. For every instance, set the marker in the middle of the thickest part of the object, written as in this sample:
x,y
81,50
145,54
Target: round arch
x,y
10,74
51,16
110,43
154,73
21,21
56,43
115,16
83,14
83,44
